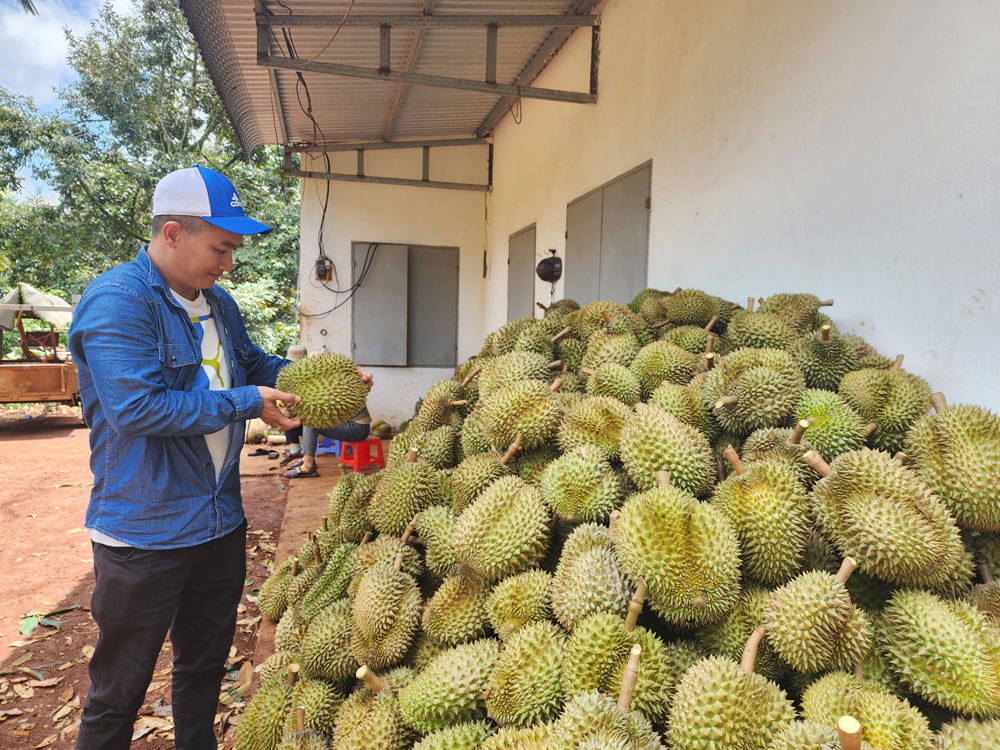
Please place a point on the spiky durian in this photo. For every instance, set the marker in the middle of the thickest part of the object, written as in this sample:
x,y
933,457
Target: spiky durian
x,y
509,369
868,357
798,310
505,530
329,386
513,738
809,735
685,403
753,388
610,347
519,600
405,491
370,716
332,582
273,596
662,362
478,472
276,665
263,722
596,421
592,720
834,427
967,734
612,380
770,510
528,408
759,330
474,439
353,522
686,551
536,339
457,611
688,307
728,636
434,526
464,736
384,549
530,464
384,616
892,399
880,513
781,444
525,687
654,440
589,578
318,701
945,651
570,351
887,722
596,644
957,452
580,486
812,624
451,688
825,358
325,649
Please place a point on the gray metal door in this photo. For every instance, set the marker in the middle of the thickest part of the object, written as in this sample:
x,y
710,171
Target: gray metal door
x,y
625,236
432,309
378,329
582,264
521,274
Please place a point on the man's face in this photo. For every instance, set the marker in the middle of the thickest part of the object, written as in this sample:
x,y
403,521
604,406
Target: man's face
x,y
201,257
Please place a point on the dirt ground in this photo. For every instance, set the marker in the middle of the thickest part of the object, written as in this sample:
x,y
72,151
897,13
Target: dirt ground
x,y
45,552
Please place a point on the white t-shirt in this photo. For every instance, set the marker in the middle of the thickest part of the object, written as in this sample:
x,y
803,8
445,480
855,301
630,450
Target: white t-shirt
x,y
214,376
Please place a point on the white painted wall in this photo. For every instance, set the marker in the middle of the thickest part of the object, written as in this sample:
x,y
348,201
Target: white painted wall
x,y
847,148
392,214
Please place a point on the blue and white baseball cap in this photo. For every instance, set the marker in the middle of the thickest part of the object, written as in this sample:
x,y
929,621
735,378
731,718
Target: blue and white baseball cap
x,y
201,192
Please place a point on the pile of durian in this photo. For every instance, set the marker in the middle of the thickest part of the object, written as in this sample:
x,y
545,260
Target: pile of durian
x,y
681,523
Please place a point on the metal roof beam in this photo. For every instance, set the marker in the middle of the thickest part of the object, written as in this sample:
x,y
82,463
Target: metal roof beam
x,y
381,145
457,21
339,177
421,79
416,41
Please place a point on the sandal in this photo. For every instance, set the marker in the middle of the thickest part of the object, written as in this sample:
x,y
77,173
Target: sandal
x,y
296,456
298,472
259,452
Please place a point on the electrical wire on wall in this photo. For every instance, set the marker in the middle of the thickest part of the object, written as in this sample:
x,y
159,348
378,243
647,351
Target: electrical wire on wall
x,y
323,261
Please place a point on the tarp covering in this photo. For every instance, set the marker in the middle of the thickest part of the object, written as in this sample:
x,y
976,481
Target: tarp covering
x,y
25,294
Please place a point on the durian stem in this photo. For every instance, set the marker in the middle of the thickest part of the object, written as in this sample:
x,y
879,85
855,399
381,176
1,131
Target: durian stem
x,y
708,343
986,572
734,460
468,378
750,650
726,401
293,675
408,531
661,324
562,334
897,363
367,537
325,524
375,683
869,429
849,731
398,562
542,307
798,432
514,448
458,402
316,556
635,605
720,468
300,718
662,478
709,361
612,520
556,385
555,364
826,303
750,302
677,290
607,316
824,333
938,402
565,368
846,568
295,567
734,306
902,458
629,678
816,463
711,322
859,669
588,371
414,451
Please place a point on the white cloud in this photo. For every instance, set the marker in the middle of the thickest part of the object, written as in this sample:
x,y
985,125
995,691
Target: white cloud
x,y
33,48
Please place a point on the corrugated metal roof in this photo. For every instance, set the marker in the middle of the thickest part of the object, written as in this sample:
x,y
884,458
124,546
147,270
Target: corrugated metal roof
x,y
266,105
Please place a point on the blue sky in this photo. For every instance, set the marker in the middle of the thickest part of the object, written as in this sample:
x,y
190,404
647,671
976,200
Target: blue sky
x,y
33,48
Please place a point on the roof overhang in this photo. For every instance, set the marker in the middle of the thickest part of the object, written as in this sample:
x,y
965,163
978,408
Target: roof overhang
x,y
322,73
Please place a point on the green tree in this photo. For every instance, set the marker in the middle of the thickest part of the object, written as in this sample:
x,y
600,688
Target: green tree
x,y
142,105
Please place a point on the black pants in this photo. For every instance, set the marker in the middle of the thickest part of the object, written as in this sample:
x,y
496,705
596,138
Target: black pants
x,y
138,596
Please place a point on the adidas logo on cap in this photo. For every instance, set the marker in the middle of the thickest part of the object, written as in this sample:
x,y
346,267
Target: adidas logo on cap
x,y
235,202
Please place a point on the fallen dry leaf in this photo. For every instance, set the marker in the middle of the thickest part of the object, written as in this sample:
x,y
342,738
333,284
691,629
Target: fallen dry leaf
x,y
62,713
24,691
67,695
50,740
155,686
51,682
67,665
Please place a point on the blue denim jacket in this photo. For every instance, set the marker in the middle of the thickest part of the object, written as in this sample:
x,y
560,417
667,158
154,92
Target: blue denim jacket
x,y
137,356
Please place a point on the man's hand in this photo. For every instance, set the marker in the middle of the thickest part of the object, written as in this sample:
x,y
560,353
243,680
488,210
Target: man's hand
x,y
272,414
366,378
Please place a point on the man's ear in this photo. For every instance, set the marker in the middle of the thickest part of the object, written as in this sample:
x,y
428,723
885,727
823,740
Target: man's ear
x,y
172,232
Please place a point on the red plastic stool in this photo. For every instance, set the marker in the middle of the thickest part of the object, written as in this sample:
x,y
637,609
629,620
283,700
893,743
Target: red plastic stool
x,y
361,455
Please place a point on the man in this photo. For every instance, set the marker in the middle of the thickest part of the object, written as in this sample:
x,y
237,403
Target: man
x,y
168,376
